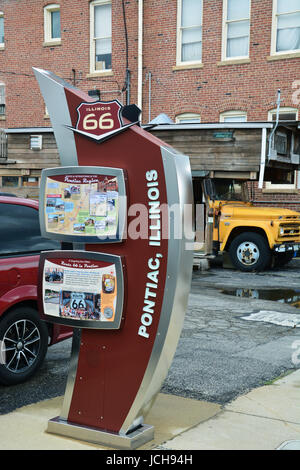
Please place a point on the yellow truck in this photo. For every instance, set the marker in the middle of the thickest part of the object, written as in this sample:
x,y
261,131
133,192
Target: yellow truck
x,y
228,161
254,237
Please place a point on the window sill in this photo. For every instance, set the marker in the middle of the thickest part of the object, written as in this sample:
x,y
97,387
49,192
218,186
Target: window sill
x,y
2,47
2,118
52,43
233,62
104,73
188,66
290,55
280,191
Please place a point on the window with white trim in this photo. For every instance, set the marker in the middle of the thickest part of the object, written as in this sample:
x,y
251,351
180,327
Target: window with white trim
x,y
101,36
233,116
2,100
285,114
286,26
1,29
52,32
236,29
189,31
188,118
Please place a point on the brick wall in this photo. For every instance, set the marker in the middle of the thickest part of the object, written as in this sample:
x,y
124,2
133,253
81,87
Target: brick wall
x,y
208,90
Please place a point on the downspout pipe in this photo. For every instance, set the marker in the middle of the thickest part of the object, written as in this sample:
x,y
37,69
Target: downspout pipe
x,y
140,54
262,158
271,138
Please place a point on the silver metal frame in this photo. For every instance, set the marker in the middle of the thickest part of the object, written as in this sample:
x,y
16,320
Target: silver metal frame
x,y
84,170
53,91
131,441
95,324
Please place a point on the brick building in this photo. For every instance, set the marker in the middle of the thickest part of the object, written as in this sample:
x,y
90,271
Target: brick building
x,y
194,60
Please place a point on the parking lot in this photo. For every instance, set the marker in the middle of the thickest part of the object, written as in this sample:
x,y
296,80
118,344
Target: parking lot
x,y
225,350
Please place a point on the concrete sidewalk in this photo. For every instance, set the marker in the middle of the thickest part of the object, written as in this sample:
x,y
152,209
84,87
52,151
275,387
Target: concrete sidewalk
x,y
267,418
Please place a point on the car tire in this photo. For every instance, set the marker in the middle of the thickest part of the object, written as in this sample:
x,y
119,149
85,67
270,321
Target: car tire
x,y
23,345
250,252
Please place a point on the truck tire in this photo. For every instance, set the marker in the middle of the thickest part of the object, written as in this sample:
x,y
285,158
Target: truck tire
x,y
250,251
23,345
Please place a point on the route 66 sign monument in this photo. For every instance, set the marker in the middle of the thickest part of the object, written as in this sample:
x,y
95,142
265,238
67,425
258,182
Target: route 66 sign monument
x,y
124,295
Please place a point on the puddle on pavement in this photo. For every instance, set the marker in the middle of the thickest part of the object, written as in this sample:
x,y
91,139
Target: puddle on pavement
x,y
285,296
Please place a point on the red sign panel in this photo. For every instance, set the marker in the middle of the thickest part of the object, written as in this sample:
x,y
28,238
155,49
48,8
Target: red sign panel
x,y
99,117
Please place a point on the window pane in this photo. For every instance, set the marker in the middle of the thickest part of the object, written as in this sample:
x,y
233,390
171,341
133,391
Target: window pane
x,y
2,94
238,9
55,24
235,119
191,35
1,29
285,116
285,6
103,54
289,21
288,39
238,47
10,181
238,29
20,230
102,21
191,13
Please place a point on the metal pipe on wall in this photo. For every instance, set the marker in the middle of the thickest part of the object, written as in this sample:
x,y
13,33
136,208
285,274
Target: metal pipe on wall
x,y
140,55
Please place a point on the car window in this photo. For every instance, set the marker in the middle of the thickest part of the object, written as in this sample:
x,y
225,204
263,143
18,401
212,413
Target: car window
x,y
20,231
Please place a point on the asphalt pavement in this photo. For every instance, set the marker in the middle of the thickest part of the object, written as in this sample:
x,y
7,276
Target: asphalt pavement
x,y
231,347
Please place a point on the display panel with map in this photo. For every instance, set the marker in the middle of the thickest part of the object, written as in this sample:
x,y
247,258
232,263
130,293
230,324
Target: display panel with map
x,y
82,288
79,204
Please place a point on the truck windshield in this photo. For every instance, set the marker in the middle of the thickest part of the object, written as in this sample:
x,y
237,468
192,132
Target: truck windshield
x,y
230,190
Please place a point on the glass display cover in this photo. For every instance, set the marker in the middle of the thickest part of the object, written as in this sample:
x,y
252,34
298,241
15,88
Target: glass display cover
x,y
83,205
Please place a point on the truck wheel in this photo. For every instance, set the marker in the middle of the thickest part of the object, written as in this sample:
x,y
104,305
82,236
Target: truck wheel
x,y
23,345
250,251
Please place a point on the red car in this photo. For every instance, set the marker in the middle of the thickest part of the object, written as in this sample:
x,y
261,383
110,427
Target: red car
x,y
24,337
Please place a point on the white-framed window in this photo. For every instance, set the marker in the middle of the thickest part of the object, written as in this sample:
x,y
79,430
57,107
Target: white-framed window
x,y
285,114
1,29
188,118
233,116
52,32
189,31
2,100
100,36
285,27
236,29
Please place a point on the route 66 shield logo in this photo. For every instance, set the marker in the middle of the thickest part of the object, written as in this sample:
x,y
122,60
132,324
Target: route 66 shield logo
x,y
99,117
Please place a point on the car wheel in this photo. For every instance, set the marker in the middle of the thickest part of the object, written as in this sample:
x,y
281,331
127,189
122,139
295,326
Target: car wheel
x,y
23,345
250,251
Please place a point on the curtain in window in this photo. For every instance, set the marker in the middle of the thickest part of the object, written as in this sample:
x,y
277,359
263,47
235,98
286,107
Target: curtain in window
x,y
238,25
191,27
55,24
102,34
288,25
